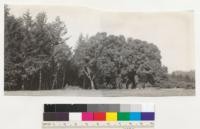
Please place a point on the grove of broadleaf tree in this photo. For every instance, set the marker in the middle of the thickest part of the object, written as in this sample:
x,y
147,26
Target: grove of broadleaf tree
x,y
109,61
38,58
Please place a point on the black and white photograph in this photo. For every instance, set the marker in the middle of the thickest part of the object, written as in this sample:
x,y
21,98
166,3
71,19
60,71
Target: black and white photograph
x,y
58,50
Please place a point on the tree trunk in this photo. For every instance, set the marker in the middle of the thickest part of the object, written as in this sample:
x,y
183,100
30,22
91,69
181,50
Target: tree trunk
x,y
88,74
63,84
133,83
84,82
127,84
54,81
118,82
31,81
23,84
40,80
92,84
144,85
53,84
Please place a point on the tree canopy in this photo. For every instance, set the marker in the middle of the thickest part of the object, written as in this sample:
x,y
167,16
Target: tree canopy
x,y
35,52
38,58
109,60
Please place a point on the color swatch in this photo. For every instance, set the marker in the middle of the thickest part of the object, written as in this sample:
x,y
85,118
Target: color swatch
x,y
111,116
123,116
135,116
99,112
99,116
87,116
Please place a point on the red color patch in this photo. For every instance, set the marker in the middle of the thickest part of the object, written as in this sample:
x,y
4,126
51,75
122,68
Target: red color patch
x,y
99,116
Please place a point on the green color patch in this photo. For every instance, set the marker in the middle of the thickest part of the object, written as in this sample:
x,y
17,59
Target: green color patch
x,y
123,116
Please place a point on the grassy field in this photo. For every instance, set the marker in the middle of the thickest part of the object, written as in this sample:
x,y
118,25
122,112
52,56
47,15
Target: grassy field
x,y
147,92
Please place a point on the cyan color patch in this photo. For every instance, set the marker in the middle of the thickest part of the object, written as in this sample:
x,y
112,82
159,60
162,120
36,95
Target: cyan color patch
x,y
135,116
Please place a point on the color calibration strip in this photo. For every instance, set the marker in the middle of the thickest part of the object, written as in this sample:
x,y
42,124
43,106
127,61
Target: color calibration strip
x,y
118,116
98,112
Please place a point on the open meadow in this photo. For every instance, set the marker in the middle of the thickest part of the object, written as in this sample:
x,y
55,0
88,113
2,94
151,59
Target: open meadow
x,y
147,92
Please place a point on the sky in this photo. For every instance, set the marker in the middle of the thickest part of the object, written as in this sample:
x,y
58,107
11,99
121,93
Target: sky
x,y
172,32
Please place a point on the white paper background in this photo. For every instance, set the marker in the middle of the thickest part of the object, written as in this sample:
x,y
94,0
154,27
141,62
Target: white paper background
x,y
171,112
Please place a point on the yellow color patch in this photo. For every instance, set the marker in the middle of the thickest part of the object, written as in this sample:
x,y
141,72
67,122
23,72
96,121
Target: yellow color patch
x,y
111,116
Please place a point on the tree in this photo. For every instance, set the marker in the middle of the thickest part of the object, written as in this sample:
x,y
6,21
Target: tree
x,y
110,61
37,57
61,53
85,58
144,61
61,59
113,60
13,58
35,52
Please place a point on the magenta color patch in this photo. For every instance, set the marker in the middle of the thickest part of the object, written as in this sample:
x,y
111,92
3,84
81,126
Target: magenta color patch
x,y
87,116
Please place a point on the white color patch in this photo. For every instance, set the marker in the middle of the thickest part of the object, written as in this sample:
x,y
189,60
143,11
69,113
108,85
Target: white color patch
x,y
75,116
148,108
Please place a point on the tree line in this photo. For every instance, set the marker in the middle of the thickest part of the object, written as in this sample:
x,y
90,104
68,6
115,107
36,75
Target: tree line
x,y
35,52
38,58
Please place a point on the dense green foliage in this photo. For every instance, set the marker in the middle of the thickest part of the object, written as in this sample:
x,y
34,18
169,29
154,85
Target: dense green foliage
x,y
37,58
180,79
35,52
109,61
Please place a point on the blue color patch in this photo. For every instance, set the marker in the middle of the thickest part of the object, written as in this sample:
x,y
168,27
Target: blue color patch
x,y
148,116
135,116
